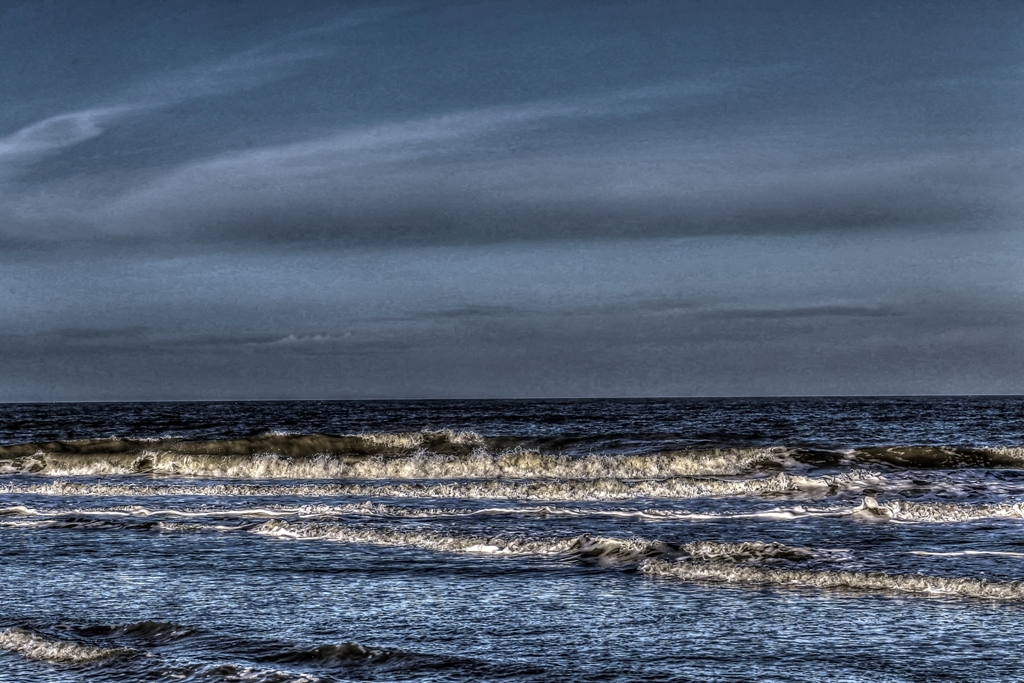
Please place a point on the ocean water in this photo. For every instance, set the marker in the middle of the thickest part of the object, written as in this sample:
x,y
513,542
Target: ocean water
x,y
630,540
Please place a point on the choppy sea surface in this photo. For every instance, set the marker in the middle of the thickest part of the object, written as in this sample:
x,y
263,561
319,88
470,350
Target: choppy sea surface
x,y
802,540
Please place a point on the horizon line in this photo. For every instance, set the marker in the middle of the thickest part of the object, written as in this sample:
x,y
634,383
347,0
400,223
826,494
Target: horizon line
x,y
516,399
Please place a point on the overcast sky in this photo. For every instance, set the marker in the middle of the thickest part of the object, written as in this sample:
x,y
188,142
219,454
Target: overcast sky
x,y
213,199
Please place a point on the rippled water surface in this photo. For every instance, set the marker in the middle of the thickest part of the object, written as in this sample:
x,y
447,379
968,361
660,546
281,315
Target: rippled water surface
x,y
703,540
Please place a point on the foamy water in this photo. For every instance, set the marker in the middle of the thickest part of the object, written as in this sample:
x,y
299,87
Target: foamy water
x,y
811,540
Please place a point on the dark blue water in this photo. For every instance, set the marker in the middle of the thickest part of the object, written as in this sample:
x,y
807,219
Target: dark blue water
x,y
643,540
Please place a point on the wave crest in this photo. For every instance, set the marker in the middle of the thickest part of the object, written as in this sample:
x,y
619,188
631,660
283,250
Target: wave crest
x,y
333,654
32,645
557,490
914,584
943,457
909,511
754,563
148,630
422,455
605,550
292,445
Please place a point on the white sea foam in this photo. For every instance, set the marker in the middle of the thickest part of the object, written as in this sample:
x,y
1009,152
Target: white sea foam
x,y
380,510
744,564
559,490
440,454
936,512
35,646
752,563
420,539
246,674
17,510
967,553
830,580
604,549
411,462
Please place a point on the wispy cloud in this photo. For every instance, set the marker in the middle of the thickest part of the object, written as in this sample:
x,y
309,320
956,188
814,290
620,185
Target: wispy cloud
x,y
57,132
797,312
505,172
248,69
433,135
335,164
271,61
461,175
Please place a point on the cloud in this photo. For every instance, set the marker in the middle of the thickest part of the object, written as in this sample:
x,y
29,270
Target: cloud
x,y
282,175
271,61
248,69
620,163
451,179
829,311
56,133
457,177
301,339
53,134
935,349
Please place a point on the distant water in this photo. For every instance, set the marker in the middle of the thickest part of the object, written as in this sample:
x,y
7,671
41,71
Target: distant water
x,y
630,540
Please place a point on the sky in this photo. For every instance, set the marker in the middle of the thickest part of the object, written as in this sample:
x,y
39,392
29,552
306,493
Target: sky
x,y
262,200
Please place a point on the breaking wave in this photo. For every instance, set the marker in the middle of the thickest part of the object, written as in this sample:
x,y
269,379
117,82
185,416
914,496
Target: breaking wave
x,y
330,656
384,511
291,445
909,511
445,454
751,563
46,648
594,548
234,673
32,645
557,490
333,655
967,553
424,455
914,584
943,457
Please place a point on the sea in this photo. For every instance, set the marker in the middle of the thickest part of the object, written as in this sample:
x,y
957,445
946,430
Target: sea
x,y
789,539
